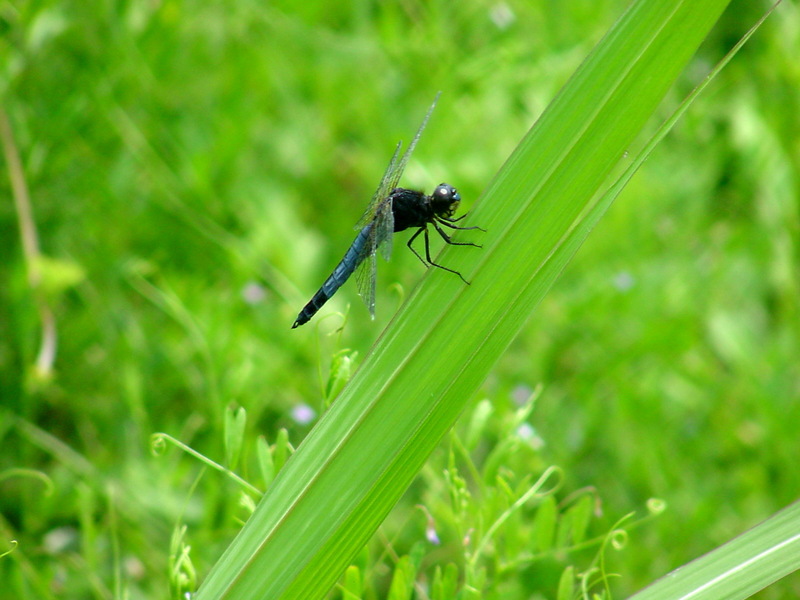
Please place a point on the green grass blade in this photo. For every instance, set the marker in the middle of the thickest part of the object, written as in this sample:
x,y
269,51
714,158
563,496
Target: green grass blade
x,y
349,472
741,567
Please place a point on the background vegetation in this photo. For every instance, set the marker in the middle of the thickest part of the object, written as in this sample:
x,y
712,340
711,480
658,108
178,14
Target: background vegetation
x,y
195,172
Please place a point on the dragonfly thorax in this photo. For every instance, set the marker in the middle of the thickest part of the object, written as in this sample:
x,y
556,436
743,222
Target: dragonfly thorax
x,y
444,200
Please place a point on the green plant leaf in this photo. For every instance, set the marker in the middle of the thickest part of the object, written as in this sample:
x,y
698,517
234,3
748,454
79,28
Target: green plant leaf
x,y
741,567
235,422
352,584
265,463
403,581
545,524
566,584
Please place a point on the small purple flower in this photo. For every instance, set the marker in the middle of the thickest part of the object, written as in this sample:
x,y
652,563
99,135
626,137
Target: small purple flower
x,y
430,527
624,281
253,293
432,536
303,414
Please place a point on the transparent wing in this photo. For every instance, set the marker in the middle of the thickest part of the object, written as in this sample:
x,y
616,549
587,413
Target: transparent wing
x,y
400,167
382,193
391,177
365,276
380,234
384,229
380,218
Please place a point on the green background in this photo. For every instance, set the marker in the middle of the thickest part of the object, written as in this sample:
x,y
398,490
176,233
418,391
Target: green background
x,y
195,172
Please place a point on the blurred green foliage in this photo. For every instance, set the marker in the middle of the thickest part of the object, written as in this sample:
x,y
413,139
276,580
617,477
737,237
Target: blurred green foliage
x,y
195,171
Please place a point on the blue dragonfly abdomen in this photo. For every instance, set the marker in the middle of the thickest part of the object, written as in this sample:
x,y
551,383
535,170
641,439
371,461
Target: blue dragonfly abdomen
x,y
354,256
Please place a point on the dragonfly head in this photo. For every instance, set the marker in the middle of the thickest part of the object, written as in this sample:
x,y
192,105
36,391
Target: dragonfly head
x,y
445,200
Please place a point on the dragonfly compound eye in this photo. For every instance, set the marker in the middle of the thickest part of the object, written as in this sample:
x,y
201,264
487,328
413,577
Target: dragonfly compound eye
x,y
446,198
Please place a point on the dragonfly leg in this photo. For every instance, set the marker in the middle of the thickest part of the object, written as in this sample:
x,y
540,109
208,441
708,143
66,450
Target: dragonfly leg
x,y
449,223
413,237
447,239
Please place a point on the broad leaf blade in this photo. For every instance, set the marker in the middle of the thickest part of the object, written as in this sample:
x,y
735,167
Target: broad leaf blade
x,y
743,566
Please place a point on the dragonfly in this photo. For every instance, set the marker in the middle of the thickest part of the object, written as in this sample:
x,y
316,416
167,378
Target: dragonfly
x,y
392,209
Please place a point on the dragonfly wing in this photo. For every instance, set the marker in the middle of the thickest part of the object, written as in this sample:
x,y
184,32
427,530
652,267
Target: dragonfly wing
x,y
365,278
380,218
382,193
401,165
394,170
384,229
